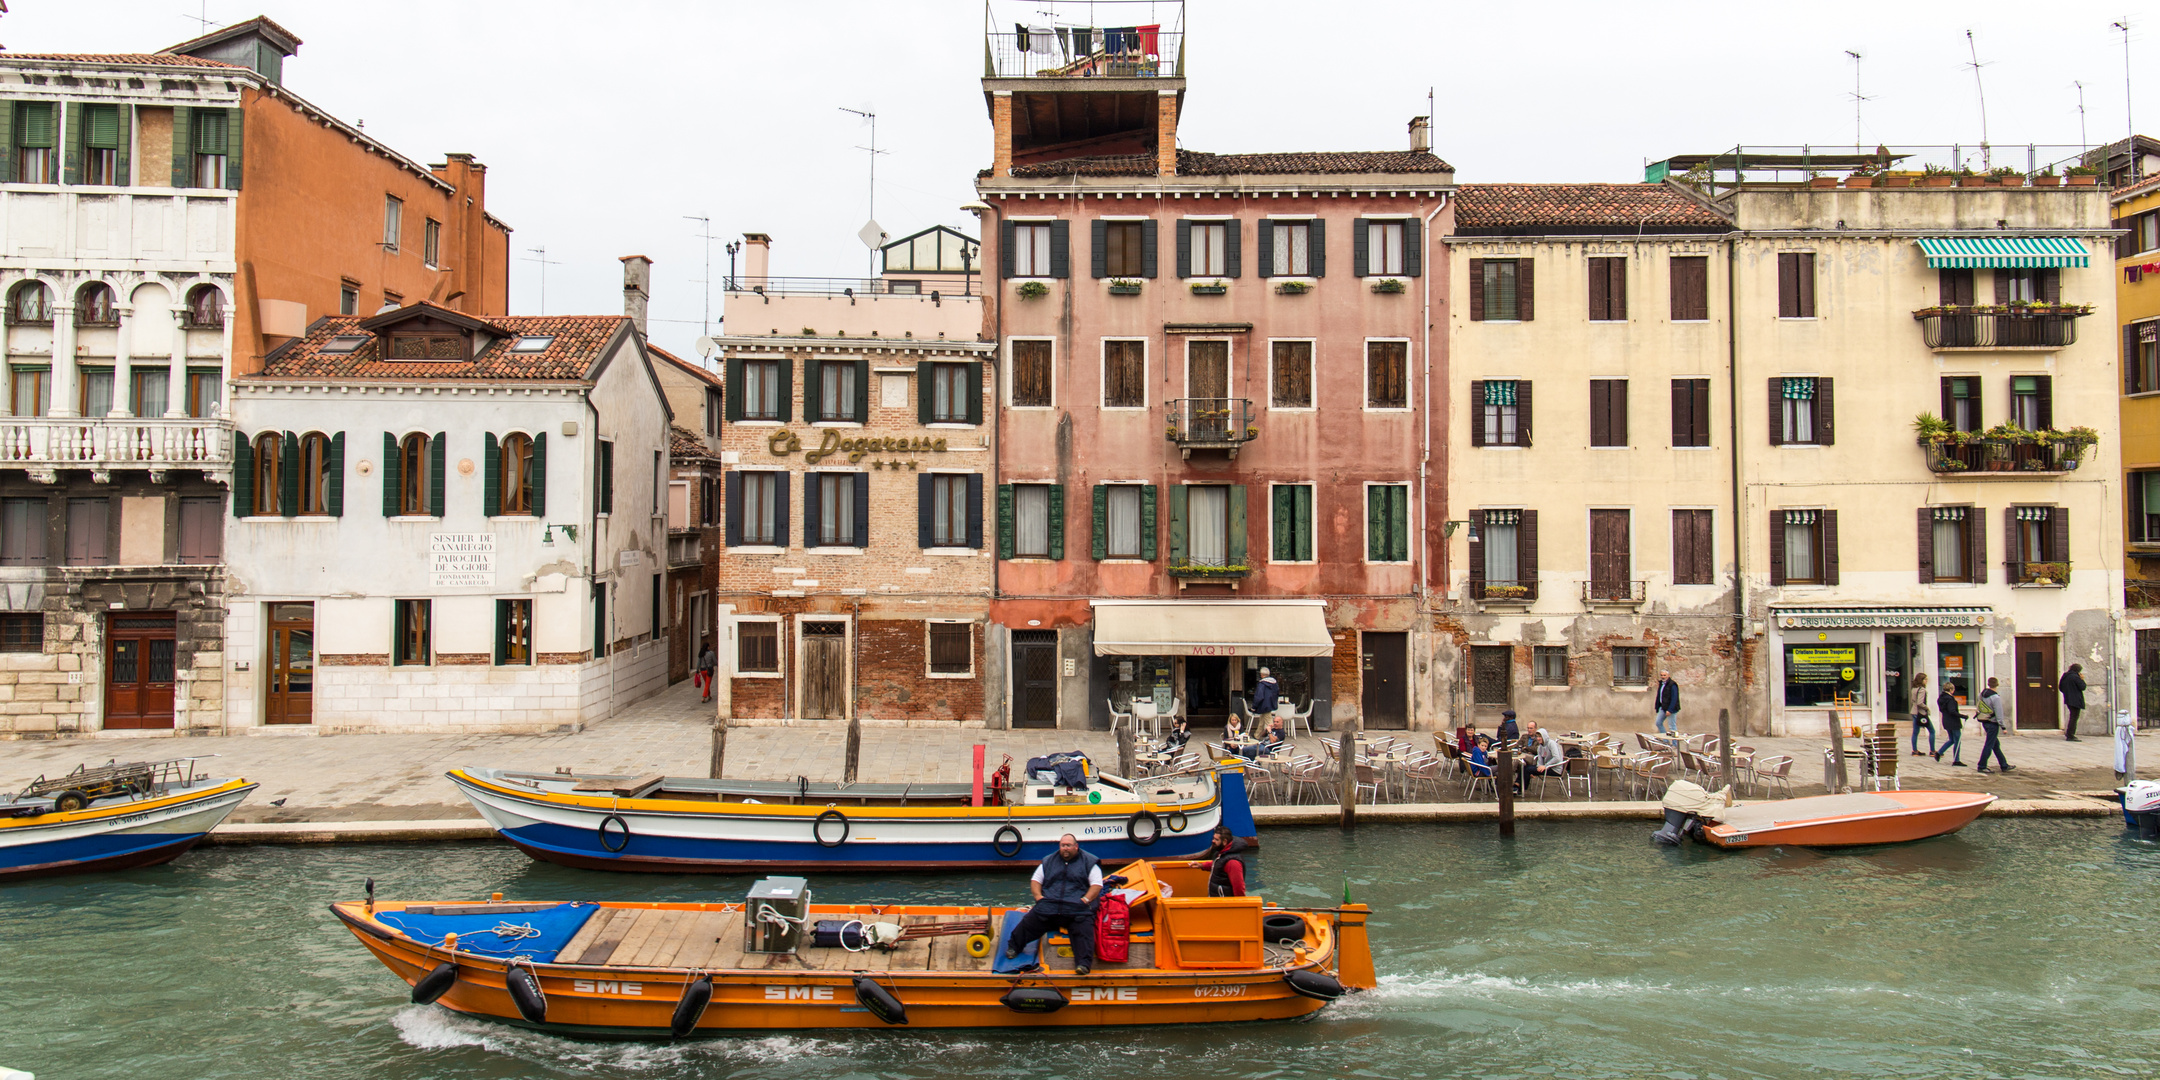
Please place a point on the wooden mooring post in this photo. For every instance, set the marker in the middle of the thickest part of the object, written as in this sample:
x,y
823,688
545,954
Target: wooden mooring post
x,y
854,748
719,749
1125,752
1724,741
1837,751
1347,731
1503,783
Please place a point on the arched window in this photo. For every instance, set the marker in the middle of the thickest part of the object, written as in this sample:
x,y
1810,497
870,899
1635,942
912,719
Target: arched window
x,y
205,308
29,304
314,474
517,452
413,476
269,473
94,306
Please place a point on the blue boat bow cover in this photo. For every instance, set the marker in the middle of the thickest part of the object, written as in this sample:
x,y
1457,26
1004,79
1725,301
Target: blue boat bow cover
x,y
538,935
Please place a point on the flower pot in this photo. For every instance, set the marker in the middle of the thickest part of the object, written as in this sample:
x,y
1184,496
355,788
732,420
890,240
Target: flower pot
x,y
2015,180
2046,180
1973,181
1822,181
2084,181
1124,290
1937,181
1897,181
1210,290
1861,181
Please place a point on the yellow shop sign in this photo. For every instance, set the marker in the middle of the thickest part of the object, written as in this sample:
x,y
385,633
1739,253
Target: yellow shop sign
x,y
783,442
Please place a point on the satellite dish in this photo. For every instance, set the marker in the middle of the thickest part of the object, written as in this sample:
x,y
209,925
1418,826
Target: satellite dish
x,y
871,235
706,346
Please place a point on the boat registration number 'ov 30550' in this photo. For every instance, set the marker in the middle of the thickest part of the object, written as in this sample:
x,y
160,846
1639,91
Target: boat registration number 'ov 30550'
x,y
593,986
798,993
1106,993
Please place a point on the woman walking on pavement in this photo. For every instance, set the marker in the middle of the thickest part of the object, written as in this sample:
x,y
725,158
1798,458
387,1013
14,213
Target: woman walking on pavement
x,y
1989,713
1920,714
1953,722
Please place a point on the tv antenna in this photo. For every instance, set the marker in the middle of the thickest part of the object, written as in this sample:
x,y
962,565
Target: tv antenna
x,y
202,16
1857,98
2082,141
870,117
706,281
1987,156
2130,146
540,256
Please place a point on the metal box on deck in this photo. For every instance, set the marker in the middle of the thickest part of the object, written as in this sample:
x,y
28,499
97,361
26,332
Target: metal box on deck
x,y
788,901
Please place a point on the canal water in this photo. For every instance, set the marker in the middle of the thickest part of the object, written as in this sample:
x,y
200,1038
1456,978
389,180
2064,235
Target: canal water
x,y
2015,948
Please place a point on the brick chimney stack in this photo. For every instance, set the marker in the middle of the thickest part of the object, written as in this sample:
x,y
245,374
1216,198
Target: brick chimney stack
x,y
636,289
1421,134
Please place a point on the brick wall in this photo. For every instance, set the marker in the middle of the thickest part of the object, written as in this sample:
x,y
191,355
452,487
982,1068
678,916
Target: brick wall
x,y
893,682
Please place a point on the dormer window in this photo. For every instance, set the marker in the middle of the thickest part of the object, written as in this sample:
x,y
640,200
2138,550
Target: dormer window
x,y
428,347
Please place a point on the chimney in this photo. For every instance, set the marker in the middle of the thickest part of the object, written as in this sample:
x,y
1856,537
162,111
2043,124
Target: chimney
x,y
636,289
1421,134
757,257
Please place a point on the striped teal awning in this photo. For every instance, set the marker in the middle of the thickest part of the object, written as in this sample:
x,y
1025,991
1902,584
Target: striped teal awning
x,y
2006,252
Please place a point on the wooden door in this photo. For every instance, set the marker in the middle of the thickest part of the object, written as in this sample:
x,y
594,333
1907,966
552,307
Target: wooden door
x,y
139,663
2038,705
1610,566
1207,376
824,671
1034,679
291,665
1386,679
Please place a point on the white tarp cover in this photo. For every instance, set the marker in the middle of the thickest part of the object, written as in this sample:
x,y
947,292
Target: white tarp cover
x,y
1241,629
1690,798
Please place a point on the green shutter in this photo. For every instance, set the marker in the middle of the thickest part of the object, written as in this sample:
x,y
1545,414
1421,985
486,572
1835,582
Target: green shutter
x,y
235,124
1304,522
1237,525
36,126
436,446
1375,524
1057,521
787,392
183,150
7,141
501,630
336,485
1101,531
813,391
124,129
491,478
539,475
389,475
71,158
289,478
1147,523
243,478
973,381
101,127
732,392
209,130
926,393
1284,513
862,391
1387,523
1177,525
1005,521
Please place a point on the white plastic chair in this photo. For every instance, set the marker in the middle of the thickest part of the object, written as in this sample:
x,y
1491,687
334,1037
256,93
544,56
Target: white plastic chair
x,y
1300,716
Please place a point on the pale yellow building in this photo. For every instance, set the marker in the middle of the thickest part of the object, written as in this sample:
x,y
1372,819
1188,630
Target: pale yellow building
x,y
2137,291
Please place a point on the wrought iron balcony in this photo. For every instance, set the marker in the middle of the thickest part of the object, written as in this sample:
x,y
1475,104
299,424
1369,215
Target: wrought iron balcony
x,y
46,444
1615,593
2044,575
2024,457
1135,52
1501,593
2042,326
1211,424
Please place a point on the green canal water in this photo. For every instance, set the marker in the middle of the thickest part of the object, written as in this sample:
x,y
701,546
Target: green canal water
x,y
2014,949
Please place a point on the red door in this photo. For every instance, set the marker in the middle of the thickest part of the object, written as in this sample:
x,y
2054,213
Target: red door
x,y
139,658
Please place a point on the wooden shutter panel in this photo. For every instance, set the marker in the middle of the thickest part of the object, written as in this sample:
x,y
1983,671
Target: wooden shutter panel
x,y
121,175
2134,527
1526,542
813,511
1147,522
2002,286
1147,248
389,475
1184,248
1827,530
783,506
2059,534
862,392
1099,533
289,477
1477,553
1616,408
2129,360
235,125
2050,286
732,390
1777,547
1376,523
1057,521
1526,289
7,139
1413,248
1826,411
1361,248
183,147
1005,539
1523,412
973,379
1777,411
1788,285
539,475
1701,412
2046,387
1061,248
1976,535
975,510
1927,545
1806,263
1600,409
71,157
1683,406
491,478
813,390
1264,244
1177,525
436,473
1005,253
1282,515
787,389
1949,408
862,510
1477,412
1600,284
926,393
1099,248
1233,248
1477,290
2010,544
925,502
733,498
1616,284
336,479
1239,524
243,481
1316,246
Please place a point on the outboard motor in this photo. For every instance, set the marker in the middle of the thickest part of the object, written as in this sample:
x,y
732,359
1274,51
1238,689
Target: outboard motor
x,y
1685,804
2141,808
1679,825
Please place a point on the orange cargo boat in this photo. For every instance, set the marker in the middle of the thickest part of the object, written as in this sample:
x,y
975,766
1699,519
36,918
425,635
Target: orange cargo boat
x,y
1857,818
631,970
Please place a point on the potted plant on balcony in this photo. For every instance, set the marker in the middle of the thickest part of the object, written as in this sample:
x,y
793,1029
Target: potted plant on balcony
x,y
2047,573
2082,176
2074,443
1294,288
2008,175
2000,439
1208,570
1124,286
1209,287
1388,285
1815,181
1932,428
1507,592
1897,180
2046,178
1966,177
1032,290
1936,176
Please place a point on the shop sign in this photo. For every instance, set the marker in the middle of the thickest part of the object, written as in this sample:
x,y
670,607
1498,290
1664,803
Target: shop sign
x,y
1887,619
784,442
1821,664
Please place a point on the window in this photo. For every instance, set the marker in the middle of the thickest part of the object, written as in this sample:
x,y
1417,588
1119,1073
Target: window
x,y
94,306
94,391
315,474
1500,290
1694,548
1691,288
1947,543
837,388
205,389
205,308
30,392
762,507
202,531
532,343
2032,402
1548,665
429,347
1031,373
89,533
1492,674
1383,248
1961,402
1387,523
952,648
513,632
149,391
1291,523
1503,554
1796,284
1800,411
1691,412
603,641
2144,523
413,642
2141,357
413,487
22,532
210,142
2027,285
35,137
949,507
1500,412
713,411
1032,522
954,399
1207,524
835,495
2039,535
2144,233
1630,665
101,144
604,468
1122,241
515,484
1954,288
348,300
1803,547
1290,248
1290,374
1612,562
1125,528
1210,255
22,632
1387,375
654,606
1608,290
757,647
431,243
1124,374
29,305
1608,412
393,222
659,483
1820,674
1031,249
269,473
762,397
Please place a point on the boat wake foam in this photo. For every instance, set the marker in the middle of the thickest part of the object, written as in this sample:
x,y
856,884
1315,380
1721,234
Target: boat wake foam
x,y
429,1027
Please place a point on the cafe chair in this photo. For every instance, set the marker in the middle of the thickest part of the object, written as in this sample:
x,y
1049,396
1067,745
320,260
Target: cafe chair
x,y
1301,716
1117,717
1775,771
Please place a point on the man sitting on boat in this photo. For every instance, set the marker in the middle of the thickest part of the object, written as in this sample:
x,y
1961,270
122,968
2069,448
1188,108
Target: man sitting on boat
x,y
1065,885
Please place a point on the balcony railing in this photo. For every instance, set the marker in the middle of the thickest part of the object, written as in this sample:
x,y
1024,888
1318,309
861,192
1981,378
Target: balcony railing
x,y
938,284
2024,456
1488,591
1138,52
1211,424
2039,327
46,443
2044,575
684,549
1630,593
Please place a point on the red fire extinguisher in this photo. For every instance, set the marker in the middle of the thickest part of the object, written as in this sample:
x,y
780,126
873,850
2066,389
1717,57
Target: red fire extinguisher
x,y
1113,929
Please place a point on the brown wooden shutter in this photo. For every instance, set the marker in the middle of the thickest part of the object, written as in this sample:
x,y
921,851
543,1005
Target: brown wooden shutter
x,y
1600,294
1683,402
1526,570
1777,411
1705,546
2046,387
1683,547
1616,405
1525,289
1777,547
1949,400
2134,526
1600,409
2129,361
2002,286
1690,276
1522,412
1609,562
2058,534
1927,545
1826,412
1477,412
1477,554
1806,263
2010,544
1477,290
2050,285
1616,272
1976,542
1701,412
1788,285
1826,533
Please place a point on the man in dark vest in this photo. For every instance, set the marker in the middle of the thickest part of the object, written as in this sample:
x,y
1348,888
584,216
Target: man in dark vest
x,y
1065,887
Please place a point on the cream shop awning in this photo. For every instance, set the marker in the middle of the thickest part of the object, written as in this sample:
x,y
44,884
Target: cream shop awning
x,y
2003,252
1193,628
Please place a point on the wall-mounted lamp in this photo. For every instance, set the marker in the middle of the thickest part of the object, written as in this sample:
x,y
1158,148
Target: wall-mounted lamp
x,y
547,535
1448,528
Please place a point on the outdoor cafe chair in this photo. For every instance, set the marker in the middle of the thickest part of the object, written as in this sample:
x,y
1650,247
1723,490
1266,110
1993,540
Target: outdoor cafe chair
x,y
1302,715
1775,771
1478,776
1117,717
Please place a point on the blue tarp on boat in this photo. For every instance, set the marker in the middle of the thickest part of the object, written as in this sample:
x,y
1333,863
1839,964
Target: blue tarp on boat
x,y
536,934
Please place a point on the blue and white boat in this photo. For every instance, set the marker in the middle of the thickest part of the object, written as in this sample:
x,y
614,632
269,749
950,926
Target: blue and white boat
x,y
115,817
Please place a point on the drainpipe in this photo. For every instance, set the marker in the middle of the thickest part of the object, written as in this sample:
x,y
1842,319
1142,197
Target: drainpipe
x,y
1425,430
993,294
1739,511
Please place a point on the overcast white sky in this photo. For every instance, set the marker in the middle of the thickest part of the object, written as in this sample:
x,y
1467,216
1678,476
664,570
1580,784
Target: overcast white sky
x,y
603,124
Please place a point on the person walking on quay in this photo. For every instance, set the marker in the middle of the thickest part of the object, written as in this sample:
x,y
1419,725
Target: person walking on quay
x,y
1989,713
1920,714
1667,703
708,662
2072,686
1953,722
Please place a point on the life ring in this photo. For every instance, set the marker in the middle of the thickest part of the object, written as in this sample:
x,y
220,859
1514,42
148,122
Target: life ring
x,y
1177,821
817,828
978,945
997,841
1132,828
617,819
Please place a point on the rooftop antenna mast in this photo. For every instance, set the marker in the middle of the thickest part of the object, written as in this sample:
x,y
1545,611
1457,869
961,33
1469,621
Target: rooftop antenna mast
x,y
2129,146
1987,155
1857,99
202,16
540,256
871,117
706,235
2082,140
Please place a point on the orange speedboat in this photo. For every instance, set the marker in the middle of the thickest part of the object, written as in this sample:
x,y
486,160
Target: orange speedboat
x,y
1858,818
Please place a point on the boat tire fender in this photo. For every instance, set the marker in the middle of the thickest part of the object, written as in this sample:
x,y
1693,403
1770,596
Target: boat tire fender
x,y
879,1001
1282,929
695,996
1005,848
817,828
1314,985
619,823
525,991
1177,821
1154,828
1033,999
70,800
978,945
434,984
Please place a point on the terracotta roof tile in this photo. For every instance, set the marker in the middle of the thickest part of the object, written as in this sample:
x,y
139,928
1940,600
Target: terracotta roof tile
x,y
579,341
1200,163
160,59
1579,209
684,443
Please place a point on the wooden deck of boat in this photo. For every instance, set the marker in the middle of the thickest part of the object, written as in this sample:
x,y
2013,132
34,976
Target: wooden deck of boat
x,y
676,938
